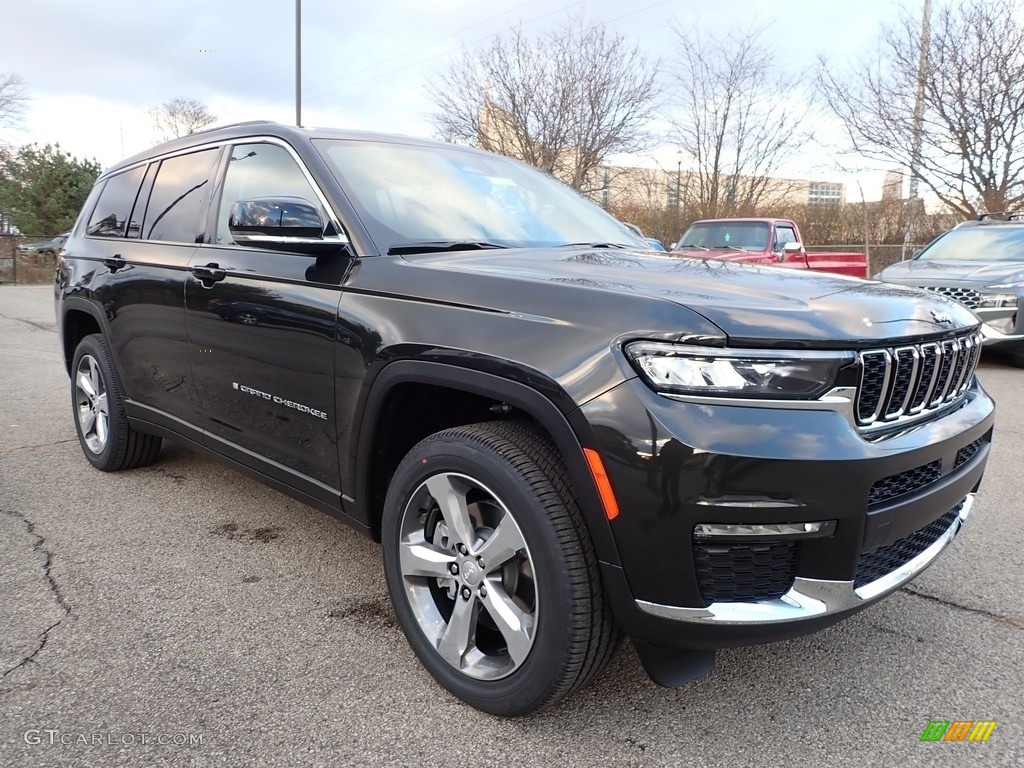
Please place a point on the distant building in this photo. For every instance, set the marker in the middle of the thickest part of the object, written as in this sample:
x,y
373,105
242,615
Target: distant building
x,y
892,186
825,193
659,188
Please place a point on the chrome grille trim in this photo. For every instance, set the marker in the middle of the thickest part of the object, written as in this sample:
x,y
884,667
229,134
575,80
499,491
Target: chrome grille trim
x,y
871,396
898,383
966,296
928,376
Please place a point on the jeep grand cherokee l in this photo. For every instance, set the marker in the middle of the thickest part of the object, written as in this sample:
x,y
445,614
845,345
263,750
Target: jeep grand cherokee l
x,y
558,436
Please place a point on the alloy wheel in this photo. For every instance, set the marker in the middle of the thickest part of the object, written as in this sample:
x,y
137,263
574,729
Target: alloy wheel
x,y
91,404
468,576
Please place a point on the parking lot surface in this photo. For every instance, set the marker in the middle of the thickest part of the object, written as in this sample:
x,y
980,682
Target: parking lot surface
x,y
184,615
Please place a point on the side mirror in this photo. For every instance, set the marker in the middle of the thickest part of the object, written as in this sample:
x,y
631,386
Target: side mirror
x,y
789,249
283,224
673,246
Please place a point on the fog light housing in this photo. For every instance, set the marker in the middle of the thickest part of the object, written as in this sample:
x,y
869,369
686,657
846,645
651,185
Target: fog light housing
x,y
762,531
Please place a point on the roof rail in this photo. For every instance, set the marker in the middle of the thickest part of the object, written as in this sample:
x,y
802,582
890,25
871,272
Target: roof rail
x,y
1006,215
235,125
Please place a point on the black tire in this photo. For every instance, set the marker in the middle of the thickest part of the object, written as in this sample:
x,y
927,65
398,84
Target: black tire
x,y
501,470
1017,355
119,446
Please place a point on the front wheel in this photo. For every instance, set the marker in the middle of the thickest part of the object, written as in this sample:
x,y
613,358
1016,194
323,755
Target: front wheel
x,y
491,569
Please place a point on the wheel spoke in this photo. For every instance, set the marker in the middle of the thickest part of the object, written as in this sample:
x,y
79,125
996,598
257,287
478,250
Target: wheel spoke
x,y
85,384
503,544
94,376
86,418
101,428
452,502
458,634
515,625
101,403
422,559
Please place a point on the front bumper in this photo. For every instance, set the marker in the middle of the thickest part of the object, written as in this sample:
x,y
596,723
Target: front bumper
x,y
813,598
999,330
896,501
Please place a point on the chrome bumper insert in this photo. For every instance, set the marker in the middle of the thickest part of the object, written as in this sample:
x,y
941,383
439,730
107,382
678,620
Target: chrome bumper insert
x,y
811,598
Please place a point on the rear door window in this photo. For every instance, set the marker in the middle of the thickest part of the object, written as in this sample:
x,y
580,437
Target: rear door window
x,y
180,198
110,216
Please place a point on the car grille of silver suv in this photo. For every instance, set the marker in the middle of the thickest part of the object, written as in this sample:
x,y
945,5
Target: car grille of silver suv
x,y
906,382
969,298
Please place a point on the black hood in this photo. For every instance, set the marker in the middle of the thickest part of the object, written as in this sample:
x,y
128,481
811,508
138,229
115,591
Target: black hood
x,y
762,306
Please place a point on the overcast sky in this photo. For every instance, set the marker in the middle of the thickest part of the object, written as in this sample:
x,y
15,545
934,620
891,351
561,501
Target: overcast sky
x,y
93,69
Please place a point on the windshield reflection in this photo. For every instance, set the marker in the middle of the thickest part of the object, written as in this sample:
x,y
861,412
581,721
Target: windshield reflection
x,y
407,194
977,244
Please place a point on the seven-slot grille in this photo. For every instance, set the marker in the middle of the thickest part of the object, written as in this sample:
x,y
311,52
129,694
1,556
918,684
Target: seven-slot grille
x,y
969,298
910,380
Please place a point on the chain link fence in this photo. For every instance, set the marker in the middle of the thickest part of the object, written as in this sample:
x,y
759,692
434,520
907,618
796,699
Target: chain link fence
x,y
28,259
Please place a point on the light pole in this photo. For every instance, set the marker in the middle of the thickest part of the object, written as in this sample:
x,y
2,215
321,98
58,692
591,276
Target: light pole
x,y
679,181
679,193
298,62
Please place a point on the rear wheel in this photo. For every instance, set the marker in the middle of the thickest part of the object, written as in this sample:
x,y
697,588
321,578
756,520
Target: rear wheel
x,y
491,569
108,441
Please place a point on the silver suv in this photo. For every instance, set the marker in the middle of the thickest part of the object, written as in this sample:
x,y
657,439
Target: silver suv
x,y
980,263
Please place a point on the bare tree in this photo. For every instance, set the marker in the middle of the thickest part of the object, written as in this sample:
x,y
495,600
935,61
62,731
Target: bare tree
x,y
562,101
12,99
737,117
972,127
180,117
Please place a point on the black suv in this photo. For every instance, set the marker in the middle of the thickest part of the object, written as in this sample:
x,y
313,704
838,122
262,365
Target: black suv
x,y
558,435
980,263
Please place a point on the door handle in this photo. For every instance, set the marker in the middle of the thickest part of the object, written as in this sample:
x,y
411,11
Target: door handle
x,y
115,262
210,273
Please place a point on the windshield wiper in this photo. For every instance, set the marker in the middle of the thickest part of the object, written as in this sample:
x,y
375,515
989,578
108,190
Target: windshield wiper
x,y
438,246
733,247
593,245
692,245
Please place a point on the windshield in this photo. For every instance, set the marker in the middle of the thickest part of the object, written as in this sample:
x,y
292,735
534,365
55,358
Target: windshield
x,y
408,195
744,235
980,243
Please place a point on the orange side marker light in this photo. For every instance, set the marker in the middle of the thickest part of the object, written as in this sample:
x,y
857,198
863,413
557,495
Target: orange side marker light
x,y
604,486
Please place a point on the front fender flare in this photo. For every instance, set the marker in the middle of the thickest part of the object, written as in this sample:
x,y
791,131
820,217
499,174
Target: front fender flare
x,y
570,431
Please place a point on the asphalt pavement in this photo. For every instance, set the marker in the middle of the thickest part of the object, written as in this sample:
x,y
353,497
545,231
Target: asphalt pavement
x,y
185,615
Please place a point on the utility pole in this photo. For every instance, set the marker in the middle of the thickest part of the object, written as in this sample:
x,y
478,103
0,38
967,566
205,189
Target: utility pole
x,y
298,62
915,148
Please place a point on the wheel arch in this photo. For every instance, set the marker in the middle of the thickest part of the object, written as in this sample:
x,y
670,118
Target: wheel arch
x,y
79,318
570,432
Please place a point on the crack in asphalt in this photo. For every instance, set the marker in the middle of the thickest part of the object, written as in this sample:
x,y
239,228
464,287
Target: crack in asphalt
x,y
52,328
1015,623
54,588
14,448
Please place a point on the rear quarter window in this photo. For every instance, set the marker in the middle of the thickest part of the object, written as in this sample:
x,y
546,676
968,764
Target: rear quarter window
x,y
110,216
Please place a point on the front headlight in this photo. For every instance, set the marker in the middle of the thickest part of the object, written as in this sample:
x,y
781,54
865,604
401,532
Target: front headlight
x,y
780,374
994,300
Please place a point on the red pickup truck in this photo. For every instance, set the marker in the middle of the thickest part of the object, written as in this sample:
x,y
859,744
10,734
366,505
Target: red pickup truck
x,y
763,241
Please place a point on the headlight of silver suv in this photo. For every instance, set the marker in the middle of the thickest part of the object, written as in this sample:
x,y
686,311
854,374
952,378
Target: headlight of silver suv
x,y
780,374
994,300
